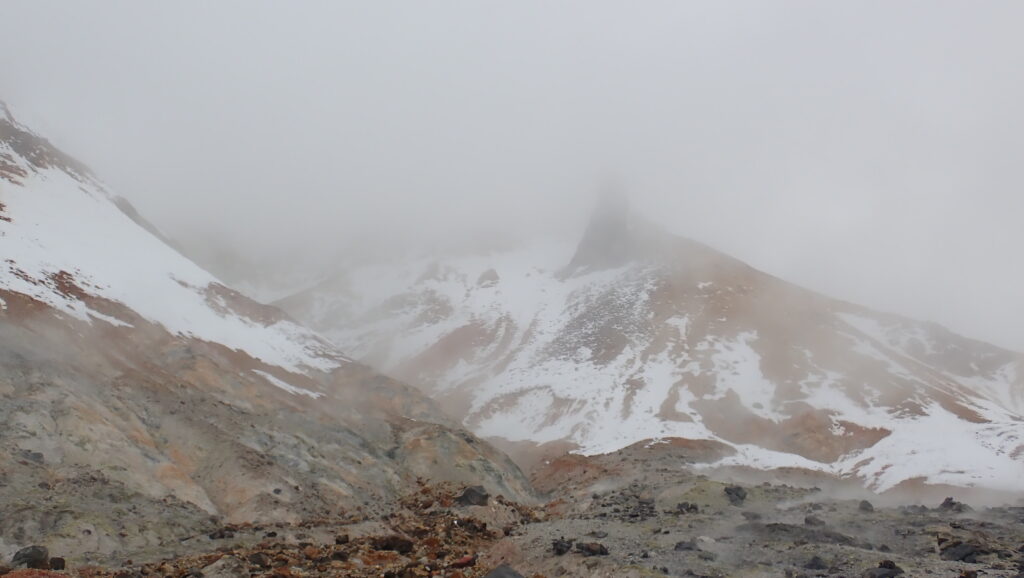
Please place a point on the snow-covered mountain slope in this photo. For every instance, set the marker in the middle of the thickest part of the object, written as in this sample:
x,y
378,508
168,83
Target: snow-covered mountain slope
x,y
65,237
150,396
636,335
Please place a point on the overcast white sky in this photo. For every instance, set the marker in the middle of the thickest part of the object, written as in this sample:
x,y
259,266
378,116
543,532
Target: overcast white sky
x,y
870,150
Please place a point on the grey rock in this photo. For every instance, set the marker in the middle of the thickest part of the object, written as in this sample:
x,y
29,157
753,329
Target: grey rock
x,y
36,557
503,571
736,495
226,567
473,496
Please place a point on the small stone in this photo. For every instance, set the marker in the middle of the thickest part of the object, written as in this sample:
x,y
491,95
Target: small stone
x,y
465,561
813,521
592,549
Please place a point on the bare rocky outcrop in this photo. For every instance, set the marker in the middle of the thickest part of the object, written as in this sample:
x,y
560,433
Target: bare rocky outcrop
x,y
146,405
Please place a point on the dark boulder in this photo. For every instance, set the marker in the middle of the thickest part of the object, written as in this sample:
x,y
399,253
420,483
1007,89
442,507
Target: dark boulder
x,y
951,505
221,534
816,563
687,508
35,557
961,552
813,521
736,495
865,506
561,546
473,496
393,544
686,546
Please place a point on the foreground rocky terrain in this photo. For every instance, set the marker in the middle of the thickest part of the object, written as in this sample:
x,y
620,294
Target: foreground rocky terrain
x,y
658,511
643,511
158,423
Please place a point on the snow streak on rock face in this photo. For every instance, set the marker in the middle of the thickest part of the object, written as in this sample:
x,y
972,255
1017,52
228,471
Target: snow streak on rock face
x,y
673,339
65,240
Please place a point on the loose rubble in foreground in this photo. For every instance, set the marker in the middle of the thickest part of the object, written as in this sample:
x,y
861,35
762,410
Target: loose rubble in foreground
x,y
616,518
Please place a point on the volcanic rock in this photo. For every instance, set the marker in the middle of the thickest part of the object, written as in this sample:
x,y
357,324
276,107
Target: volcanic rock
x,y
592,549
473,496
736,495
35,557
393,543
561,546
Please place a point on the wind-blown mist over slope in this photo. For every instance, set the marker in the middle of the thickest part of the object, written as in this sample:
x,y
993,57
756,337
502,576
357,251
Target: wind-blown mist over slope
x,y
638,335
144,402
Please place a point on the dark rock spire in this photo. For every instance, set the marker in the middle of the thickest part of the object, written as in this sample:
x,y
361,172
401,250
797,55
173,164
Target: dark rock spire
x,y
608,240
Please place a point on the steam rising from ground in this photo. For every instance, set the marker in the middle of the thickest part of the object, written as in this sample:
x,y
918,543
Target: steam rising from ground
x,y
866,150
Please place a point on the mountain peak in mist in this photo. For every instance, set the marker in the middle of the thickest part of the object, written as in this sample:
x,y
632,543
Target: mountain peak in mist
x,y
609,239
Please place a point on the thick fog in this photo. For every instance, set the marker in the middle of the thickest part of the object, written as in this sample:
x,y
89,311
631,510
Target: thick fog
x,y
870,150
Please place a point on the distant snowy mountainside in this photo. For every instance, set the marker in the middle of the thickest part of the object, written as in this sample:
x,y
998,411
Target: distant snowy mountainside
x,y
635,335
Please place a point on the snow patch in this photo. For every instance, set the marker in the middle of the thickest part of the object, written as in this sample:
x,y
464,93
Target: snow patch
x,y
63,226
287,386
